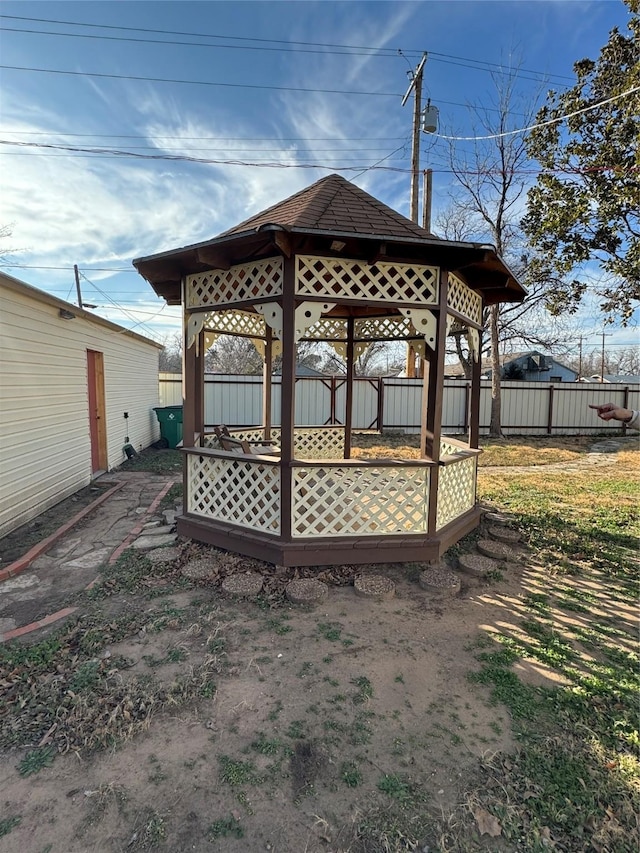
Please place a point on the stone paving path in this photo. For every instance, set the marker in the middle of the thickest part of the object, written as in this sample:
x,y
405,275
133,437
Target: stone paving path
x,y
53,579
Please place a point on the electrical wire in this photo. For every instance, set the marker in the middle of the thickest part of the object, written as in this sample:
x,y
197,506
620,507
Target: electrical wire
x,y
543,123
285,46
120,307
260,86
96,153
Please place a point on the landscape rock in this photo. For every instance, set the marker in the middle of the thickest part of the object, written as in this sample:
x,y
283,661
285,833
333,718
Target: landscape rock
x,y
496,550
440,580
474,564
377,587
504,534
243,585
306,591
147,542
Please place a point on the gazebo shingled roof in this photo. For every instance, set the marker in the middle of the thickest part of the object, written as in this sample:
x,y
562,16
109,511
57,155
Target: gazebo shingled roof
x,y
332,208
334,204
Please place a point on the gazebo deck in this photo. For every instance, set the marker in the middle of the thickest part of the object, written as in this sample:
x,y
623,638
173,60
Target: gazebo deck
x,y
342,510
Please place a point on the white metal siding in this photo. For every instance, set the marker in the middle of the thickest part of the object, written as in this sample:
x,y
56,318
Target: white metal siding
x,y
525,405
45,446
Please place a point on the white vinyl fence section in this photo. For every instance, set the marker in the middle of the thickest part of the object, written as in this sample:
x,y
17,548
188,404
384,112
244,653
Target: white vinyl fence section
x,y
528,408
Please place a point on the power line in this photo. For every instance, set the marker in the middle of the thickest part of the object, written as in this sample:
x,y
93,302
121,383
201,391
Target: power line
x,y
544,123
261,86
212,138
96,153
285,46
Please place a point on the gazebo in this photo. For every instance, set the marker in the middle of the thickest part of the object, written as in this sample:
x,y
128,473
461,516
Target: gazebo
x,y
329,264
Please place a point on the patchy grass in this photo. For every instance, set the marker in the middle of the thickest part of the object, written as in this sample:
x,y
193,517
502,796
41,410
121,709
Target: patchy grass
x,y
155,462
504,452
574,784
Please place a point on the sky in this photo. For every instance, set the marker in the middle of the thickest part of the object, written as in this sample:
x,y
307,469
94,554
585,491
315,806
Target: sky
x,y
174,121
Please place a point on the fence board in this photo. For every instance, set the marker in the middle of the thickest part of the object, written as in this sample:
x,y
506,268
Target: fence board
x,y
528,408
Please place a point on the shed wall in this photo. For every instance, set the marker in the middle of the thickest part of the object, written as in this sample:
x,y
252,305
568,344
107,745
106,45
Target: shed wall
x,y
45,447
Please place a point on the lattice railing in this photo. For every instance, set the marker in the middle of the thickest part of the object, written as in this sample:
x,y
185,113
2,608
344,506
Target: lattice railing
x,y
380,282
235,323
448,448
254,280
309,443
237,491
462,299
349,501
456,490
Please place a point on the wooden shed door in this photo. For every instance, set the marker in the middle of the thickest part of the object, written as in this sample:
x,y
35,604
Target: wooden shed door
x,y
97,411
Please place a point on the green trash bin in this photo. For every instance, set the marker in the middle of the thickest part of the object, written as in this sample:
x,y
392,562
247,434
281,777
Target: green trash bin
x,y
170,420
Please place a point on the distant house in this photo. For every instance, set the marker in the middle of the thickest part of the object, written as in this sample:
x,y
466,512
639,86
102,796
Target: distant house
x,y
74,389
531,366
612,379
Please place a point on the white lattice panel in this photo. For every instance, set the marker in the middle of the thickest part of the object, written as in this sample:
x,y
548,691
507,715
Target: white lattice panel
x,y
462,299
456,490
237,491
359,501
381,282
376,328
235,323
448,449
319,443
327,328
243,281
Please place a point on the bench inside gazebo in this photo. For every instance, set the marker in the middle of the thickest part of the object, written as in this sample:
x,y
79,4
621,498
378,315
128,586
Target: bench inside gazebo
x,y
330,264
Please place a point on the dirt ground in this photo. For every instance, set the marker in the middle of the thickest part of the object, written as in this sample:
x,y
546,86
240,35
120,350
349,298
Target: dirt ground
x,y
315,718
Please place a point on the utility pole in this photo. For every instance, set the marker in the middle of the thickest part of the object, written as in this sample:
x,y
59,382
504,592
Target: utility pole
x,y
77,275
426,199
604,335
415,86
580,359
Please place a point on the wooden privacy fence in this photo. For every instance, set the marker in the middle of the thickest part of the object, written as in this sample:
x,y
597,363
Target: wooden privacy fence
x,y
390,403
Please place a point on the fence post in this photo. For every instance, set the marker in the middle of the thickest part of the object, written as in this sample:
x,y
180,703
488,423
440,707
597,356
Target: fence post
x,y
625,405
380,415
550,413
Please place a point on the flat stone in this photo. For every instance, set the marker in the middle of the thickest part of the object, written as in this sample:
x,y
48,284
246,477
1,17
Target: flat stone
x,y
143,543
440,580
169,516
7,625
374,586
157,531
497,517
495,550
20,582
306,591
474,564
64,547
151,524
504,534
164,555
90,560
244,585
204,568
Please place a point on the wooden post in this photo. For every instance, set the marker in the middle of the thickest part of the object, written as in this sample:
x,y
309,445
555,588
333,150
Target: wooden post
x,y
267,369
287,412
434,410
474,401
198,390
189,377
348,415
380,412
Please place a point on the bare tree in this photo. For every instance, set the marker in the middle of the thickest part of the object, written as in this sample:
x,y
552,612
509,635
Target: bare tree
x,y
486,204
171,354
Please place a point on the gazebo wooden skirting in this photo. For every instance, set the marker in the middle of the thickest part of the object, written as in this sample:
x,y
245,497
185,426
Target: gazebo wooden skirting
x,y
330,264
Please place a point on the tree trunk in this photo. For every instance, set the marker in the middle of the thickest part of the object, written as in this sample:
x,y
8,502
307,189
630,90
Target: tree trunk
x,y
495,429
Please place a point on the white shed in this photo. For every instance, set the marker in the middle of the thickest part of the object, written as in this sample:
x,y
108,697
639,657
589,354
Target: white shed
x,y
74,389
